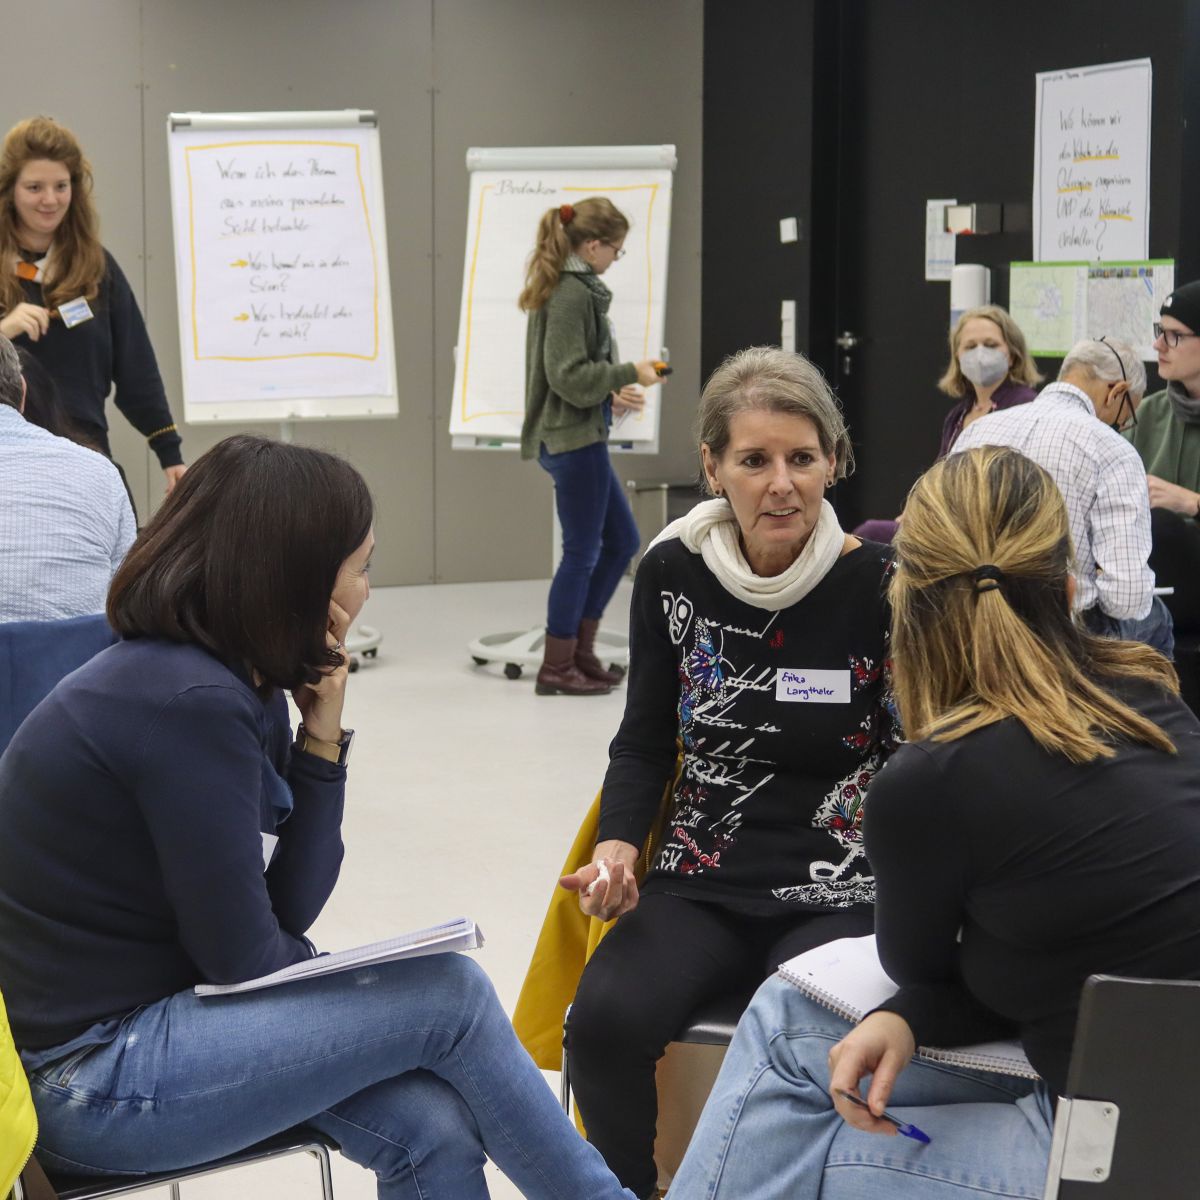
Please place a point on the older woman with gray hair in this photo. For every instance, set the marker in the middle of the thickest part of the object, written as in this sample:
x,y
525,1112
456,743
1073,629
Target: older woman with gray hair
x,y
1101,478
759,646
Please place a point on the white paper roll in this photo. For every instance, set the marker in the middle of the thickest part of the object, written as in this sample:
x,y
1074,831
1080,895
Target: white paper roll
x,y
970,286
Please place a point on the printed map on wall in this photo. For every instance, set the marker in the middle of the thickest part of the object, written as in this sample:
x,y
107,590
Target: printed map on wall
x,y
1058,304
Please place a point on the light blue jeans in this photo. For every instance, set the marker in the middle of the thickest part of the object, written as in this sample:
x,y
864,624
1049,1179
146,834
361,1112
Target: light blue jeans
x,y
411,1067
769,1129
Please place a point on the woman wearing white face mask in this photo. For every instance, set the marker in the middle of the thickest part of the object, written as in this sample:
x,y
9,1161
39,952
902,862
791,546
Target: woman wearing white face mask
x,y
989,369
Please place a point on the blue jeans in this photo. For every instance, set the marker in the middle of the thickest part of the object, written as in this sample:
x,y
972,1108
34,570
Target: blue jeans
x,y
769,1129
1156,628
598,531
411,1067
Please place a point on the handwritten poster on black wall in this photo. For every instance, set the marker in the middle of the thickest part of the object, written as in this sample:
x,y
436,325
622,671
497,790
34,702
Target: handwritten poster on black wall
x,y
1091,180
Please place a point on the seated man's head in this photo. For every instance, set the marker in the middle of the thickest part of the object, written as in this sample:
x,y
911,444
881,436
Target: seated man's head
x,y
1177,338
1111,374
12,382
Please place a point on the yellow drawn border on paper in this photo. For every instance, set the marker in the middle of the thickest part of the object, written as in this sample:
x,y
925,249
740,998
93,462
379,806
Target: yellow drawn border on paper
x,y
483,191
592,191
370,238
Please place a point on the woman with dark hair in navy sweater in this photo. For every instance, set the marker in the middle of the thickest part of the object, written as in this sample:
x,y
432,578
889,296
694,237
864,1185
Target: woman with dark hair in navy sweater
x,y
162,829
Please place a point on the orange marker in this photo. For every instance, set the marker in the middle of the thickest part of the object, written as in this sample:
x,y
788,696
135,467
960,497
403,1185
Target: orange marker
x,y
662,368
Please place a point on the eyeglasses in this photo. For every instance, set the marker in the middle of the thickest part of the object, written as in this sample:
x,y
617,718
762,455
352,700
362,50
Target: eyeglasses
x,y
1119,425
1171,337
618,252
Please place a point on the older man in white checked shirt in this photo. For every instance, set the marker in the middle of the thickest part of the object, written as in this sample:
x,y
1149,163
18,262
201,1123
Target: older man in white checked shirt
x,y
65,518
1072,430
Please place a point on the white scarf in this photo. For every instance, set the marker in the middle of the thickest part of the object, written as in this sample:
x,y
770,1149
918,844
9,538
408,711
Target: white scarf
x,y
711,530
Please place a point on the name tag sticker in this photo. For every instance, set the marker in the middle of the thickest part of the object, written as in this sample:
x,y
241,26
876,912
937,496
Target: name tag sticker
x,y
75,312
798,686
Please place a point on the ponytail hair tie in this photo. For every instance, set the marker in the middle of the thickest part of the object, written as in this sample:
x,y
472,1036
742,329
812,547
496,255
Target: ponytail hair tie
x,y
566,213
987,578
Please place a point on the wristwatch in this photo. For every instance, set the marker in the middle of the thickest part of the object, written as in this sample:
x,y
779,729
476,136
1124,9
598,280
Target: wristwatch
x,y
335,752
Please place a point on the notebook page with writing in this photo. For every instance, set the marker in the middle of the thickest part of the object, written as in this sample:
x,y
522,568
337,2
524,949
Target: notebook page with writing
x,y
459,934
846,977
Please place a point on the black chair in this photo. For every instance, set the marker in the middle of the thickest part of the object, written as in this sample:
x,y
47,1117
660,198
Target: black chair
x,y
1125,1130
294,1141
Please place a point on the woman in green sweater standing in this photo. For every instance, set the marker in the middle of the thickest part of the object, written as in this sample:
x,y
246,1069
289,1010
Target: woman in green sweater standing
x,y
573,387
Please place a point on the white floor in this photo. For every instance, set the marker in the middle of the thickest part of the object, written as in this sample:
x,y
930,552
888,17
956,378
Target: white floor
x,y
465,791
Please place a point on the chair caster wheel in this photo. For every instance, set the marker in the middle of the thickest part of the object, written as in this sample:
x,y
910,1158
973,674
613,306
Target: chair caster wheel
x,y
512,670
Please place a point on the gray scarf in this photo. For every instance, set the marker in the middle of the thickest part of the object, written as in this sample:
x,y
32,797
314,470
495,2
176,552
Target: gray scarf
x,y
1186,408
601,298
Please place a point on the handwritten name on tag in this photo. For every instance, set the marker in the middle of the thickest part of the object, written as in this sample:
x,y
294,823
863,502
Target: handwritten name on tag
x,y
798,686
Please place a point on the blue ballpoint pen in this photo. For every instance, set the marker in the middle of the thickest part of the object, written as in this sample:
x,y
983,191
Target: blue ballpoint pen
x,y
901,1126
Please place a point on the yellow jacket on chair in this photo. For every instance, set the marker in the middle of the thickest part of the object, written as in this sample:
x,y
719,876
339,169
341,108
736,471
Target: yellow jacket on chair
x,y
18,1121
567,940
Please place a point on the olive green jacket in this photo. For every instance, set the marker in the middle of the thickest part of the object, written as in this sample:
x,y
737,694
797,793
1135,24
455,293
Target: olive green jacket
x,y
1170,448
565,385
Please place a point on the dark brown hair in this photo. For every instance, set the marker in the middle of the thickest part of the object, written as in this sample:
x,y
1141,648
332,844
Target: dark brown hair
x,y
77,264
243,556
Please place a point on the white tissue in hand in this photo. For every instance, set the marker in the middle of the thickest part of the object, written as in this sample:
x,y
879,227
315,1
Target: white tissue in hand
x,y
591,887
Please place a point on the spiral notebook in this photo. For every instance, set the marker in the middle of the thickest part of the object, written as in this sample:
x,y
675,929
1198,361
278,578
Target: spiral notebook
x,y
846,977
459,934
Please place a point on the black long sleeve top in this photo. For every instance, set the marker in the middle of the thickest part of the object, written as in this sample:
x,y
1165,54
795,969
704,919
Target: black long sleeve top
x,y
112,348
133,804
1052,871
784,718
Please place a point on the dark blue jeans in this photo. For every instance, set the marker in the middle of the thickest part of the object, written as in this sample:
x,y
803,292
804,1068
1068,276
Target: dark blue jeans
x,y
1155,629
598,531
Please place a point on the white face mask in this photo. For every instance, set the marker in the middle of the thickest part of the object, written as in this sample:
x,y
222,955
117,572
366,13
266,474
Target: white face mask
x,y
984,365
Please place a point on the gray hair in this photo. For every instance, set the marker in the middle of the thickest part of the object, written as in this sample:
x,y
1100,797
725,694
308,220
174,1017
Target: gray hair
x,y
12,386
772,380
1099,359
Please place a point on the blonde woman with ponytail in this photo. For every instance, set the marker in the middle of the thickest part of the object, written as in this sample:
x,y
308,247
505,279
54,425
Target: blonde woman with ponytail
x,y
1042,825
574,384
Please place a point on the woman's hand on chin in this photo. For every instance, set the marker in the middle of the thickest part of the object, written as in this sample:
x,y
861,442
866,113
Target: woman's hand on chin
x,y
320,703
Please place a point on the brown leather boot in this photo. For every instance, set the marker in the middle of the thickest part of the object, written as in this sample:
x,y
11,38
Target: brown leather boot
x,y
558,674
585,655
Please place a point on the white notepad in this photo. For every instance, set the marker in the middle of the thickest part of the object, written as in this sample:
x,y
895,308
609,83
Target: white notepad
x,y
846,977
459,934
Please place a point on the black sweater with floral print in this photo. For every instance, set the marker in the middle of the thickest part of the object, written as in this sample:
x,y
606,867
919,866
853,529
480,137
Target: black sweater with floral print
x,y
783,717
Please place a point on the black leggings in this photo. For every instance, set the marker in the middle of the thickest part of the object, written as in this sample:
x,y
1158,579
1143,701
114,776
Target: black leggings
x,y
645,979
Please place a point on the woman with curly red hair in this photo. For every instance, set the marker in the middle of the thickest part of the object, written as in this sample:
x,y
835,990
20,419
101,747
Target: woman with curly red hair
x,y
65,300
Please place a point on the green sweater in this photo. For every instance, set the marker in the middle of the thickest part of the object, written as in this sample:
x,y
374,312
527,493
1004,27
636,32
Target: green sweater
x,y
565,384
1170,448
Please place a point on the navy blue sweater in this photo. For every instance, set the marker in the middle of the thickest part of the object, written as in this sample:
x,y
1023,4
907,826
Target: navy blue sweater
x,y
133,801
113,348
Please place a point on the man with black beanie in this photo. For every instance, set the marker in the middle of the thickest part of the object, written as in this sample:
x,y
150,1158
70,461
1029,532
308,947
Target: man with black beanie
x,y
1167,436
